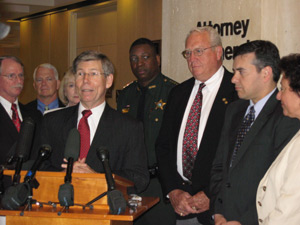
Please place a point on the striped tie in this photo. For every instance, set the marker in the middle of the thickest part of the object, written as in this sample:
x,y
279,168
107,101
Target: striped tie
x,y
15,117
84,130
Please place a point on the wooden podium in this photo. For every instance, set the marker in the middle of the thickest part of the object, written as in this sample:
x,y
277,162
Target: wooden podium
x,y
86,188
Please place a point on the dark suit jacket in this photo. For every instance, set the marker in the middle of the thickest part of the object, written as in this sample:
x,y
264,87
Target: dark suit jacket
x,y
8,132
32,110
234,189
121,135
35,113
166,144
8,137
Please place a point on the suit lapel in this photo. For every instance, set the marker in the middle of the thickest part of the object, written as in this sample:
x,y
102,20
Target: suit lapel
x,y
182,103
70,122
223,97
236,122
7,122
257,126
103,131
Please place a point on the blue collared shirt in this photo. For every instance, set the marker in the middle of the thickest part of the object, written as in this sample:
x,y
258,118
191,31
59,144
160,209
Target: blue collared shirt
x,y
260,104
52,105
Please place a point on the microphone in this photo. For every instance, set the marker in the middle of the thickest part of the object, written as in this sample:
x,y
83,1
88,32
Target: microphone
x,y
44,153
103,155
72,149
17,195
23,146
115,198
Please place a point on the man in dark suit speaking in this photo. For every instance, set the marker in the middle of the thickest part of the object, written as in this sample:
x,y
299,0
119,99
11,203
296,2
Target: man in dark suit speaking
x,y
254,132
187,142
98,124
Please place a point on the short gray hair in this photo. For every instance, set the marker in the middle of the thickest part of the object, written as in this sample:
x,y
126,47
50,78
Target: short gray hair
x,y
215,39
14,58
89,55
48,66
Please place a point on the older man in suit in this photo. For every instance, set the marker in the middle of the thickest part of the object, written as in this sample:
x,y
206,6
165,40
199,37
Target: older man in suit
x,y
187,141
120,134
11,110
46,83
255,131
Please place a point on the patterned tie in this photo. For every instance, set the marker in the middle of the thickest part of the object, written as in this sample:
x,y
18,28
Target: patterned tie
x,y
15,117
84,130
243,130
190,138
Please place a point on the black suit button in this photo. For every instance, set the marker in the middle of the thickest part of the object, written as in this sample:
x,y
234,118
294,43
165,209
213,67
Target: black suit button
x,y
228,185
220,200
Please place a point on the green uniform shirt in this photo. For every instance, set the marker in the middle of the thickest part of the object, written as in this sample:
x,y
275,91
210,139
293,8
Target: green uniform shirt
x,y
155,103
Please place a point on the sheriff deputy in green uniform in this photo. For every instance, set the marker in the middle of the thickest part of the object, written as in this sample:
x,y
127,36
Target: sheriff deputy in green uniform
x,y
145,99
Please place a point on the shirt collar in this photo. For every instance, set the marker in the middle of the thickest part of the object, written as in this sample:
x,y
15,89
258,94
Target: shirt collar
x,y
260,104
212,82
6,104
95,111
52,105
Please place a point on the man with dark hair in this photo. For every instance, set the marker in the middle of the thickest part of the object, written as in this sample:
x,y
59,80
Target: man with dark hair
x,y
191,127
146,99
98,124
254,132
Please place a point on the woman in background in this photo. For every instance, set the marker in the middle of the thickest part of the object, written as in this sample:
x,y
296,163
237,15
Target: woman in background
x,y
278,194
67,91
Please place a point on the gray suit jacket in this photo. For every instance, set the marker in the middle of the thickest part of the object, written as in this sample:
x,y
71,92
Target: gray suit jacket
x,y
121,135
233,189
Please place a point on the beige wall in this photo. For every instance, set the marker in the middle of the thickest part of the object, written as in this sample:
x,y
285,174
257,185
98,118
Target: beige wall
x,y
274,20
108,27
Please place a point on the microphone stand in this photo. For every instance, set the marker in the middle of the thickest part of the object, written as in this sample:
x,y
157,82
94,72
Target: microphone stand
x,y
89,204
32,184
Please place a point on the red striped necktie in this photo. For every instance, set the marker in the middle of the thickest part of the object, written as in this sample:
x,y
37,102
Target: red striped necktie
x,y
190,138
15,117
84,130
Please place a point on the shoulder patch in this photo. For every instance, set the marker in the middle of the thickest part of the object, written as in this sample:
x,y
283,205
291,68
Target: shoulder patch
x,y
170,81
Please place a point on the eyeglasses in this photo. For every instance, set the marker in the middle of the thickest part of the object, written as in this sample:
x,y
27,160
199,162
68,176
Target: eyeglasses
x,y
13,76
197,52
81,74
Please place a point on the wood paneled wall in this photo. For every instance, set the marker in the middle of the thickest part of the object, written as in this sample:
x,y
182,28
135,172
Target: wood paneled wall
x,y
43,40
109,27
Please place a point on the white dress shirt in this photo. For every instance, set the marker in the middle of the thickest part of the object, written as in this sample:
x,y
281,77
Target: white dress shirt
x,y
7,106
209,93
93,120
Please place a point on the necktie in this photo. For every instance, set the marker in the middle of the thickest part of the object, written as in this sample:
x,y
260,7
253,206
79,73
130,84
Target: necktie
x,y
243,130
84,130
190,138
46,108
15,117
